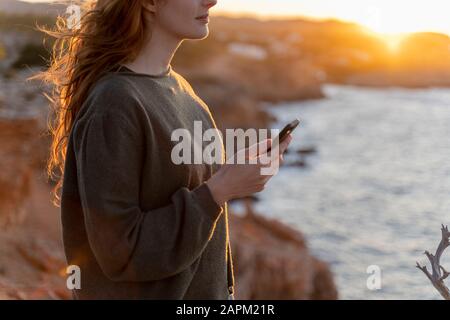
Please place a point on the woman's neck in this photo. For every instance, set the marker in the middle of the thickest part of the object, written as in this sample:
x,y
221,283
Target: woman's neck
x,y
157,54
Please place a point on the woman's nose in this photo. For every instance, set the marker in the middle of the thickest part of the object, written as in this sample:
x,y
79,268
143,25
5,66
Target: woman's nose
x,y
209,3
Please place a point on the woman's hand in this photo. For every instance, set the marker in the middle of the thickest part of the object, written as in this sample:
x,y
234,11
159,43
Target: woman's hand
x,y
240,180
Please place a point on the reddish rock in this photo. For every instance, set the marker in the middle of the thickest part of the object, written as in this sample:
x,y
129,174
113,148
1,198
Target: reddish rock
x,y
272,261
231,106
32,264
19,141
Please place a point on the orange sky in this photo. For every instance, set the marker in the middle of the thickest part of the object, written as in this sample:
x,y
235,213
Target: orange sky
x,y
385,16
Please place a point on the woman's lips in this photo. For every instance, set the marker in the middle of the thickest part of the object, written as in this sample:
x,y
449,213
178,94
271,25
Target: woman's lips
x,y
204,18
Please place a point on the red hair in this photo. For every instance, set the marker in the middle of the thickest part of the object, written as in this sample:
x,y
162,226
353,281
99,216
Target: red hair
x,y
111,32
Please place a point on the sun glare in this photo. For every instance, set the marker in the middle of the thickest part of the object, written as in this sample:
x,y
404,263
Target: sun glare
x,y
393,41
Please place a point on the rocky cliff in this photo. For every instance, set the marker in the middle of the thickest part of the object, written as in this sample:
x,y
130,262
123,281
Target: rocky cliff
x,y
272,261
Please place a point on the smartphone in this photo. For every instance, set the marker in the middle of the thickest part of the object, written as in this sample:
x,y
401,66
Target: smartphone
x,y
286,131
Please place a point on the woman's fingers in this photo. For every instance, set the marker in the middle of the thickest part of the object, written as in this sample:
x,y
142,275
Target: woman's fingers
x,y
250,179
276,156
285,144
259,148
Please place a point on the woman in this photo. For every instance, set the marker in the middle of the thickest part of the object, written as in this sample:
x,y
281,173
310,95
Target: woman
x,y
137,225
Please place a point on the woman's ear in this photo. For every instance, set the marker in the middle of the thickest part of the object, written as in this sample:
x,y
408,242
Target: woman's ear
x,y
149,5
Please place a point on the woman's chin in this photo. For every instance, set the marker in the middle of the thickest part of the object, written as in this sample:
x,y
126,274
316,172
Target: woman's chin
x,y
198,34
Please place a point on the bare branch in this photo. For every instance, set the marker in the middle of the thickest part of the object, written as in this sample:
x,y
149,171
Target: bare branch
x,y
439,274
446,273
424,269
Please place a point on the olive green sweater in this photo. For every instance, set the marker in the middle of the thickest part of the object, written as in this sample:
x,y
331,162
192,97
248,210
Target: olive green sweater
x,y
138,225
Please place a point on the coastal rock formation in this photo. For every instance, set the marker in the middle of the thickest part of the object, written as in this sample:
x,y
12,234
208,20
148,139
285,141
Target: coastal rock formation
x,y
404,78
32,264
272,261
23,140
19,145
231,106
271,80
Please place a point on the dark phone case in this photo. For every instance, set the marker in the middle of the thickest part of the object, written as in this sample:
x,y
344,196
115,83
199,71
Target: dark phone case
x,y
286,130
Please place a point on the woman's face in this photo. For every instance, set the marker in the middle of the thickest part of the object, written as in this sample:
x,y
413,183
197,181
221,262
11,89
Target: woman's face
x,y
185,19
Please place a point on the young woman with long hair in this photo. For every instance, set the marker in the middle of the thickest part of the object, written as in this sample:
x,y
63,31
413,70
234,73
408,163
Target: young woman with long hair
x,y
136,224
